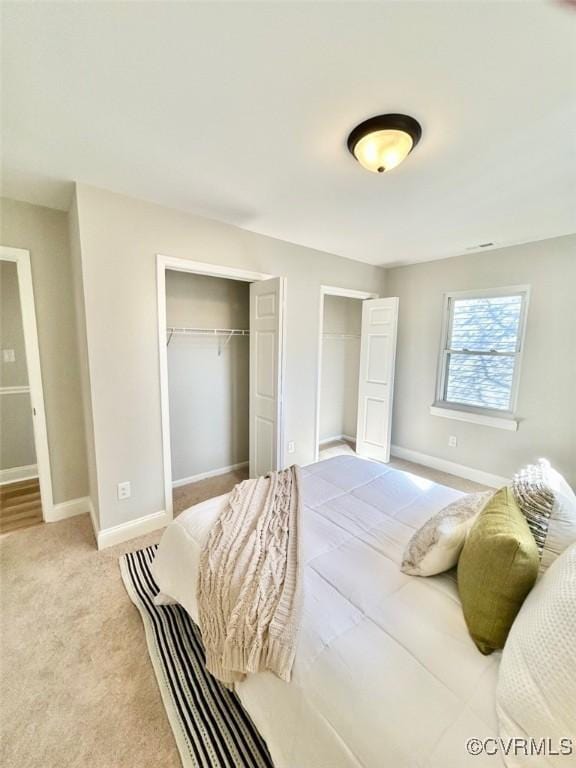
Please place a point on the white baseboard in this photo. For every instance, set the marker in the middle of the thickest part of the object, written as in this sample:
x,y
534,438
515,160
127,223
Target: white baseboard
x,y
443,465
16,474
69,509
117,534
211,473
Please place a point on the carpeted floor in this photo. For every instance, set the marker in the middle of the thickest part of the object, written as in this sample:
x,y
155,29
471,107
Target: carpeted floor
x,y
77,688
188,495
76,684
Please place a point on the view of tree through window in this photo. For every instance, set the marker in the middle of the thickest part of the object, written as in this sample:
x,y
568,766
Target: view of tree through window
x,y
481,352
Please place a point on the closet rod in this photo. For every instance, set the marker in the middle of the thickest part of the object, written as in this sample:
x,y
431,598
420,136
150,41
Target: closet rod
x,y
210,331
228,332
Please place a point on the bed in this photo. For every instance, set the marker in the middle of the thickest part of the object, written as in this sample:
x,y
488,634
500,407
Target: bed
x,y
385,672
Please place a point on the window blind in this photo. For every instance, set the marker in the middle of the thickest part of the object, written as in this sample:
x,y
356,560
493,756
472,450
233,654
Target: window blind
x,y
482,350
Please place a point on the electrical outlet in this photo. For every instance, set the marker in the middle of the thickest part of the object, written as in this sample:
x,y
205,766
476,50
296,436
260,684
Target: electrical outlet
x,y
8,356
124,490
452,441
291,447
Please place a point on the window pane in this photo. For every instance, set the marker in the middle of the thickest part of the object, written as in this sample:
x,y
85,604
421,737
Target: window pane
x,y
486,324
480,380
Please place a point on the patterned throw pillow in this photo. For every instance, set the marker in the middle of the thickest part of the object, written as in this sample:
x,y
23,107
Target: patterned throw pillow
x,y
549,506
436,546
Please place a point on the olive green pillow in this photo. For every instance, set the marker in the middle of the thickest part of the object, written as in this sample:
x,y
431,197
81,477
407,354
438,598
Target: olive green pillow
x,y
497,568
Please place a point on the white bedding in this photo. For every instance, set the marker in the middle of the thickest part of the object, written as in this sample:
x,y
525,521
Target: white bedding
x,y
386,674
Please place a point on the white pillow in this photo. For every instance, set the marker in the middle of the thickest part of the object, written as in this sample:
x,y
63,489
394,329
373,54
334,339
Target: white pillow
x,y
549,506
536,692
436,546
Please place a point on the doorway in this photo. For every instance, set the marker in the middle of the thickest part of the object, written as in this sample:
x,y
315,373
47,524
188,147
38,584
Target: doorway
x,y
208,384
356,360
25,482
340,365
221,345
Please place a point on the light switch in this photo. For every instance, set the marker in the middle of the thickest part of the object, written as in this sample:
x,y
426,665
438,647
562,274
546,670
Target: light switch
x,y
8,356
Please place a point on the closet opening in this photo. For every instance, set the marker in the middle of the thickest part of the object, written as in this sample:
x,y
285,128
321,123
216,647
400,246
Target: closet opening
x,y
356,361
221,333
342,324
207,338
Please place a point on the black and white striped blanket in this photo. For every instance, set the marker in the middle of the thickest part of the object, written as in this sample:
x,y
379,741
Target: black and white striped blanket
x,y
211,728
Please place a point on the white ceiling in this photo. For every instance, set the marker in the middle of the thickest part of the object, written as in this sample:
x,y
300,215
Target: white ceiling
x,y
241,111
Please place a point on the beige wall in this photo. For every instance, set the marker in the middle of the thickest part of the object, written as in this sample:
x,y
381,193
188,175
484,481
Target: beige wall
x,y
547,396
208,379
16,428
11,328
340,367
120,238
17,443
44,232
83,365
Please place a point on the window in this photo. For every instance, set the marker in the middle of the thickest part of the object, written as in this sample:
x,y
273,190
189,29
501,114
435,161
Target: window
x,y
481,349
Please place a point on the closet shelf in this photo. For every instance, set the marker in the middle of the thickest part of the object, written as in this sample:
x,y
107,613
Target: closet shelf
x,y
210,331
217,332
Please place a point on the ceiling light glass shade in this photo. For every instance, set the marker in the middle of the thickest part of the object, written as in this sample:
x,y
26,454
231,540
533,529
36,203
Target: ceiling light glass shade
x,y
382,150
383,142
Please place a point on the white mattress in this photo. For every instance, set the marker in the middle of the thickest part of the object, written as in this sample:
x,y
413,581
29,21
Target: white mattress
x,y
385,672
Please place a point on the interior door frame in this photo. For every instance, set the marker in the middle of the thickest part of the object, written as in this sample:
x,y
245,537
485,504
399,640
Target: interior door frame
x,y
21,258
176,264
347,293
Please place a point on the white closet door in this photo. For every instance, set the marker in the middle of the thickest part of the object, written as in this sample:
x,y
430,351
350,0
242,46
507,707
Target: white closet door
x,y
376,384
266,341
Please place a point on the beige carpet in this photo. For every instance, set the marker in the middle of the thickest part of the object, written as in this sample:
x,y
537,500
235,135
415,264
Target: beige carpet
x,y
188,495
77,687
76,684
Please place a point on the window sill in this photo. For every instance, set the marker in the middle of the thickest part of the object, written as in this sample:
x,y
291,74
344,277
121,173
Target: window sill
x,y
500,422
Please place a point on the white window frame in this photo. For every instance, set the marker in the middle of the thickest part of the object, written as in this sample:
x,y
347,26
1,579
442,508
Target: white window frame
x,y
492,417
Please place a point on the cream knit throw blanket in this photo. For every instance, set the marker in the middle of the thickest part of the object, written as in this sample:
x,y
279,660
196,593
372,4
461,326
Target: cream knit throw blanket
x,y
249,584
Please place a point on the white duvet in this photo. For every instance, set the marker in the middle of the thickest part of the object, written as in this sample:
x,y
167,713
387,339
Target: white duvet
x,y
386,674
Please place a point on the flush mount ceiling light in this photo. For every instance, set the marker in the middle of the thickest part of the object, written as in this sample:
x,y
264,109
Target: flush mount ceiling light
x,y
381,143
